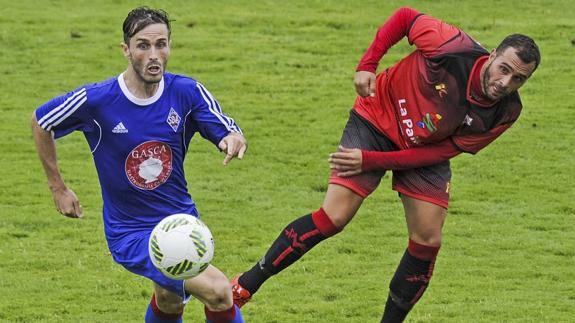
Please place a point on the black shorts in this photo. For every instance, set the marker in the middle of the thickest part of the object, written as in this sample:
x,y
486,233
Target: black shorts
x,y
430,183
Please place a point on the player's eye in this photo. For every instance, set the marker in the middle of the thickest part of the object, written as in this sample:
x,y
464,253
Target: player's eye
x,y
503,69
142,46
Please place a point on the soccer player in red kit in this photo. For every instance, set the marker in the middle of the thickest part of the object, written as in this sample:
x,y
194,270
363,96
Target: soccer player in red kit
x,y
447,97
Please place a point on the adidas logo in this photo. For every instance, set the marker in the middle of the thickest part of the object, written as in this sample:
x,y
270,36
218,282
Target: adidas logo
x,y
119,128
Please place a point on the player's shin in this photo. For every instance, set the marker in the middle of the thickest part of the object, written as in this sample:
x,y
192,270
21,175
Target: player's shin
x,y
295,240
155,315
410,281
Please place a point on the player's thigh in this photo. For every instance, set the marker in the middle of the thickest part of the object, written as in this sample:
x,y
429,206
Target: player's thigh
x,y
359,133
212,288
429,183
424,220
133,254
425,197
345,194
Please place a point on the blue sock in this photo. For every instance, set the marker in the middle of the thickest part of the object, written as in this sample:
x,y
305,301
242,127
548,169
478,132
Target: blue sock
x,y
238,318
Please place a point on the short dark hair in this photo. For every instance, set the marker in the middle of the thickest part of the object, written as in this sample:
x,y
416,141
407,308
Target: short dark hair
x,y
525,46
142,17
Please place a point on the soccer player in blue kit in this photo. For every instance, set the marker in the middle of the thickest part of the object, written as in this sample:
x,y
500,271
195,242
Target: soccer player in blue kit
x,y
138,126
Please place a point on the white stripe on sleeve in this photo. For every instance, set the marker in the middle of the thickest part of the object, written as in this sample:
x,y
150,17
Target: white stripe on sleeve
x,y
70,111
214,108
55,113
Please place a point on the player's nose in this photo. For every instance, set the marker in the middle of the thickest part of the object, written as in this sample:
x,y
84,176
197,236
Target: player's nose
x,y
153,54
506,81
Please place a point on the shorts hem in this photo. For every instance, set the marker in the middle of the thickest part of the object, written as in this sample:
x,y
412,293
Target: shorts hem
x,y
349,185
443,204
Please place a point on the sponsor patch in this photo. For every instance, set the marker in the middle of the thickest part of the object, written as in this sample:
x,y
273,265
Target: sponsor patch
x,y
149,165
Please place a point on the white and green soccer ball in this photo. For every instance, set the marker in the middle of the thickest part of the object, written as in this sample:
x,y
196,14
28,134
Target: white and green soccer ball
x,y
181,246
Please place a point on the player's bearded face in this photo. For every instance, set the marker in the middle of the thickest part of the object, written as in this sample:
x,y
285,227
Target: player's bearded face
x,y
148,52
504,73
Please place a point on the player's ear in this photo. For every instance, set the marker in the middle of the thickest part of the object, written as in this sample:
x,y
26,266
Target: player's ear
x,y
125,49
493,53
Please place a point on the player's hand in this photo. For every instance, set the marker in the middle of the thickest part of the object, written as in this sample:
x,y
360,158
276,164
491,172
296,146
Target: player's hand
x,y
66,202
347,162
365,83
233,145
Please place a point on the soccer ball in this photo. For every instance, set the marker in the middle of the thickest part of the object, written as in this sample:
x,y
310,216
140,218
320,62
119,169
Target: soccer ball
x,y
181,246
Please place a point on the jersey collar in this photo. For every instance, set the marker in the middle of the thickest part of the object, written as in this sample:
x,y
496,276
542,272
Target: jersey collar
x,y
136,100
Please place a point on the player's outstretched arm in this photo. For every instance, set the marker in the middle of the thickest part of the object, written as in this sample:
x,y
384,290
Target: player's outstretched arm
x,y
352,161
233,145
64,198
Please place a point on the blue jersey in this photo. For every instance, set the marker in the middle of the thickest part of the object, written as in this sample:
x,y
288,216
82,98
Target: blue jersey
x,y
139,145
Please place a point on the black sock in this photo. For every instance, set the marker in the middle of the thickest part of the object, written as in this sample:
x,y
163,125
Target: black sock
x,y
410,281
393,313
295,240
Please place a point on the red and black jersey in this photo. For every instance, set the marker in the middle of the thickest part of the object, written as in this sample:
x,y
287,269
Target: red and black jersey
x,y
426,97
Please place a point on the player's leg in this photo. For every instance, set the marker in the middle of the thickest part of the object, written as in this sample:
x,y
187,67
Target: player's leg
x,y
424,223
213,289
343,198
165,307
301,235
425,195
167,304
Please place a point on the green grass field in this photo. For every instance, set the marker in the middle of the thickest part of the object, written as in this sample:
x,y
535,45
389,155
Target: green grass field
x,y
284,70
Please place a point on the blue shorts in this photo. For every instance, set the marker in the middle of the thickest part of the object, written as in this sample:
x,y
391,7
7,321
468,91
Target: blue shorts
x,y
132,252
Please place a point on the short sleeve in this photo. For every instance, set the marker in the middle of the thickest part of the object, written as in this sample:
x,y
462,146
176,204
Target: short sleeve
x,y
208,117
65,113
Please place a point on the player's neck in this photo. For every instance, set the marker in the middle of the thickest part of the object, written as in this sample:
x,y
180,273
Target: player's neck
x,y
475,92
139,88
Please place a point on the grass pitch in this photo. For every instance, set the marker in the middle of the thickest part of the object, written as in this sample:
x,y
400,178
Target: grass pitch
x,y
284,70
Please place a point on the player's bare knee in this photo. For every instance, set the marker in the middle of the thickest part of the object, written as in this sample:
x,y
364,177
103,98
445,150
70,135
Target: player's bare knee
x,y
339,222
431,239
339,218
169,302
219,296
340,205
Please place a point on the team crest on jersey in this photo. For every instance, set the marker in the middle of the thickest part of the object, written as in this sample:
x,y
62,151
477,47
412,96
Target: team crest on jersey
x,y
441,89
429,122
173,119
149,164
